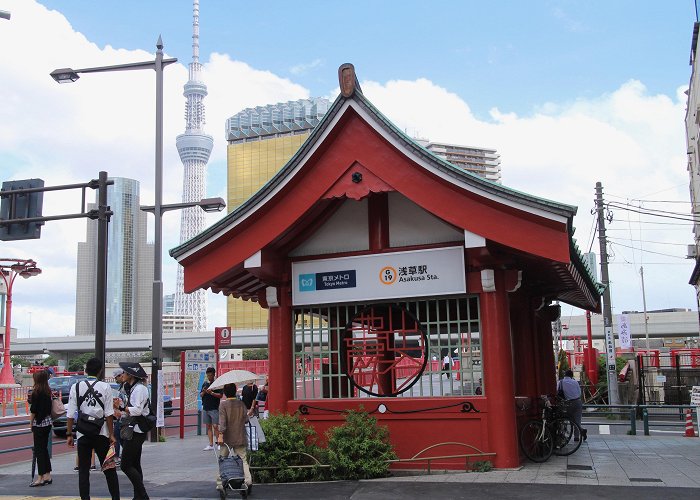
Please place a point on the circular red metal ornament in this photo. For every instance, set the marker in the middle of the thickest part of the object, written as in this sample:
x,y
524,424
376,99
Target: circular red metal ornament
x,y
384,350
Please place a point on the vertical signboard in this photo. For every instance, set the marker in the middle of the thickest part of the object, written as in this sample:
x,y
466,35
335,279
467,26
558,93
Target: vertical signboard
x,y
222,337
610,349
160,414
625,335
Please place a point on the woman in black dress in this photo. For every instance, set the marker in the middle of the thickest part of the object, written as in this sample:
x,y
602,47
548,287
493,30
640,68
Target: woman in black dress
x,y
40,420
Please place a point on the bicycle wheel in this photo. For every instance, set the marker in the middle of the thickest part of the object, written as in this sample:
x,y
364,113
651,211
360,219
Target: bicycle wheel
x,y
536,441
567,436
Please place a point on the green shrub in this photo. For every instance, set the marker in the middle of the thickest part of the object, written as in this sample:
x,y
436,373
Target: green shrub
x,y
482,466
359,449
287,438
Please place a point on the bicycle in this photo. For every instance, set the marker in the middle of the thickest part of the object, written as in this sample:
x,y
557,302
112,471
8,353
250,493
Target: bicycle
x,y
550,434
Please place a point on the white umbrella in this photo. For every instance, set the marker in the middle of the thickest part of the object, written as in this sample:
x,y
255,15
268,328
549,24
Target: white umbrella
x,y
234,377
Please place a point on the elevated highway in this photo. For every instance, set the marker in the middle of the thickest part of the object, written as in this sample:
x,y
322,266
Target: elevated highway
x,y
173,343
676,324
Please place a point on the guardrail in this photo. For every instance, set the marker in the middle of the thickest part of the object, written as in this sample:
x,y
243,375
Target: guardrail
x,y
627,415
25,429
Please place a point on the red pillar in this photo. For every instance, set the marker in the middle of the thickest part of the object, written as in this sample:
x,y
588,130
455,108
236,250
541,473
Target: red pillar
x,y
523,344
498,374
280,344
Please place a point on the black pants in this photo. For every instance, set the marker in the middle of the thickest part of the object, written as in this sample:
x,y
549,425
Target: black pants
x,y
41,448
131,464
101,445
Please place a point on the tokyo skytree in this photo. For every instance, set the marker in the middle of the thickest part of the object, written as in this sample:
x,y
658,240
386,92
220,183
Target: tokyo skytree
x,y
194,147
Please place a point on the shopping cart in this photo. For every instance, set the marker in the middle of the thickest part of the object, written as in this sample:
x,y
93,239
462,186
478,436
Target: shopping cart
x,y
231,473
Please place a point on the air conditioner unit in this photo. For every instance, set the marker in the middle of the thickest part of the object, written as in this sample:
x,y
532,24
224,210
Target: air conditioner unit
x,y
692,252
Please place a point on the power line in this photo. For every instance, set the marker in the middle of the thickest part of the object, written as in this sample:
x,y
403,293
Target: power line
x,y
682,217
649,251
648,241
649,211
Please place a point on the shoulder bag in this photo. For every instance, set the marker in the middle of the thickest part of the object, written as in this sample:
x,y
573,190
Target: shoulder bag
x,y
57,408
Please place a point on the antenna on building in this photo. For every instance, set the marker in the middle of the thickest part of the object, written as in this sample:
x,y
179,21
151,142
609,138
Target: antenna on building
x,y
194,147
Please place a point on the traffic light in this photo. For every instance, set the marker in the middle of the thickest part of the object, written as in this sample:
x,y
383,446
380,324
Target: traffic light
x,y
15,206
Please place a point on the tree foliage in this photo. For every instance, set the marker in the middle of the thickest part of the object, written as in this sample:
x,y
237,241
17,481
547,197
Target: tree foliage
x,y
287,440
256,353
77,363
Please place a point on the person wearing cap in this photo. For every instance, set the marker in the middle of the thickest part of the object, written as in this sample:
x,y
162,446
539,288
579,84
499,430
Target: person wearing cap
x,y
118,403
136,405
92,397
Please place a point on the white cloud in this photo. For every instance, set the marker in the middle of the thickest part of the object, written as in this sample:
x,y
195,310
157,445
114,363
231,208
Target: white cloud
x,y
630,140
303,68
66,134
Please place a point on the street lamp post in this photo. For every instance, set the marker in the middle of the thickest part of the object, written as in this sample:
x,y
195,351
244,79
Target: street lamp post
x,y
9,270
67,75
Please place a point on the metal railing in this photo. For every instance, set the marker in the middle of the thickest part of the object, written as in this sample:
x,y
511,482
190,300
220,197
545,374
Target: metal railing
x,y
25,429
628,415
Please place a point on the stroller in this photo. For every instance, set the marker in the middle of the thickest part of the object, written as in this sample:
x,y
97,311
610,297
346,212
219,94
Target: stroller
x,y
231,472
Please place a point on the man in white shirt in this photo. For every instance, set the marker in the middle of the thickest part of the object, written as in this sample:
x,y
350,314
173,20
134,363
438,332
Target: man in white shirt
x,y
446,365
92,399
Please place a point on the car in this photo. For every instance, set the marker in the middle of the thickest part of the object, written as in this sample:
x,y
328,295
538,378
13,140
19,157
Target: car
x,y
63,385
167,399
59,425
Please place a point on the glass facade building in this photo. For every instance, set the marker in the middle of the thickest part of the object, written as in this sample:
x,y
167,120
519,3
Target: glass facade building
x,y
260,141
129,266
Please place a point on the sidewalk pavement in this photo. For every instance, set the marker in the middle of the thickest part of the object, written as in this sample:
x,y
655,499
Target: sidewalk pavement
x,y
651,465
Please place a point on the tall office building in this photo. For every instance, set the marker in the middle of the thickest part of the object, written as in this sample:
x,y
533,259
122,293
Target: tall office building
x,y
692,135
129,266
484,162
260,141
194,147
169,303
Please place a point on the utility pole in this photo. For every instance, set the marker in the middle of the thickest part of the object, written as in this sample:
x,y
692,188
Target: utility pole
x,y
613,394
644,301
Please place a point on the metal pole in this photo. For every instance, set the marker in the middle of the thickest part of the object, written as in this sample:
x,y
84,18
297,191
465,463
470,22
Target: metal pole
x,y
182,394
8,321
101,286
157,319
644,302
613,395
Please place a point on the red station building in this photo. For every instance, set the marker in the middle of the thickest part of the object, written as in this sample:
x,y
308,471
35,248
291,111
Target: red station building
x,y
399,284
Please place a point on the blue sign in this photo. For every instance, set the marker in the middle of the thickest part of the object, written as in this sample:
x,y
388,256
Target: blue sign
x,y
327,281
307,282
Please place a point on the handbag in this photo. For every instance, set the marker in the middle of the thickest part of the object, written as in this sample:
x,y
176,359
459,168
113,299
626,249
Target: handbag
x,y
126,432
258,428
252,434
57,408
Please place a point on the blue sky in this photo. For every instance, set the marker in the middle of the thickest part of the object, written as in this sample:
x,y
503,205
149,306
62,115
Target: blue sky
x,y
514,55
570,93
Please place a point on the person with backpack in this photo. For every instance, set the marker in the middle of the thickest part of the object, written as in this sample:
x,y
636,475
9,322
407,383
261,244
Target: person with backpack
x,y
91,400
135,425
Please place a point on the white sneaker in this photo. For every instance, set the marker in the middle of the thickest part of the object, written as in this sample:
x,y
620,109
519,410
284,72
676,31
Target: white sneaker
x,y
208,447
